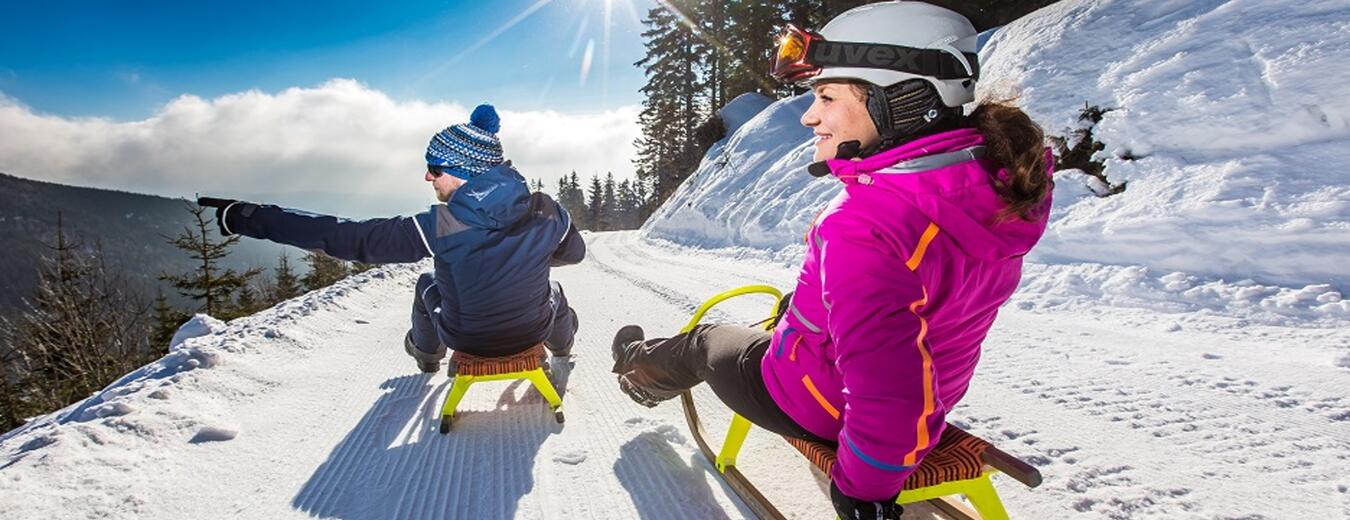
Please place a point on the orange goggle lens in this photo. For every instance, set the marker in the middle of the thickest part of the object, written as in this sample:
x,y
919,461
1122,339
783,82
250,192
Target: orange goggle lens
x,y
791,48
789,62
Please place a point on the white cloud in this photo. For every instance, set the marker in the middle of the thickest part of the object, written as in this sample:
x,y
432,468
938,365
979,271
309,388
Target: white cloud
x,y
341,147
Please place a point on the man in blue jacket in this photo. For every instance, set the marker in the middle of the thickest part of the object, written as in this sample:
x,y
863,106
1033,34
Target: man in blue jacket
x,y
492,241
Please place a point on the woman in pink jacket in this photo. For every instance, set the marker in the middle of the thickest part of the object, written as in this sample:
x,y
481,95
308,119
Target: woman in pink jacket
x,y
904,270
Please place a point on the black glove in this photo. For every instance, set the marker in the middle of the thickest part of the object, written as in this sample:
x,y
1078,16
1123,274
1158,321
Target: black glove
x,y
853,509
221,205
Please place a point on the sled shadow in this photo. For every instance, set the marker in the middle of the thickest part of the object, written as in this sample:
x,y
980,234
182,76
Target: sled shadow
x,y
395,463
663,485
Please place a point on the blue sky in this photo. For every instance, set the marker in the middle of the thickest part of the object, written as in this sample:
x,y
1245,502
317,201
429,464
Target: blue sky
x,y
123,60
322,106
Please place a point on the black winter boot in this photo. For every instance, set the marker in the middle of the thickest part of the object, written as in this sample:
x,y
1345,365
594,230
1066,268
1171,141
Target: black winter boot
x,y
623,343
427,363
633,383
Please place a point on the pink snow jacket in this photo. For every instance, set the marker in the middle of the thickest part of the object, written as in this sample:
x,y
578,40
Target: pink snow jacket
x,y
903,275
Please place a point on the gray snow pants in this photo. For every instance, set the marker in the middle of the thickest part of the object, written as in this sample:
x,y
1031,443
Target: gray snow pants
x,y
728,358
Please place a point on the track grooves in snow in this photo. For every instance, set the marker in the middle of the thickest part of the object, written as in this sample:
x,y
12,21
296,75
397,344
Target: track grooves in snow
x,y
1126,418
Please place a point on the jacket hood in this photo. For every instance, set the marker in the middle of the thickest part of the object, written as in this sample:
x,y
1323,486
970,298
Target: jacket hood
x,y
493,200
946,177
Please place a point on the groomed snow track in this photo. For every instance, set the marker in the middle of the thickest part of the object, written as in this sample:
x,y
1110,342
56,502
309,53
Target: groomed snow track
x,y
311,409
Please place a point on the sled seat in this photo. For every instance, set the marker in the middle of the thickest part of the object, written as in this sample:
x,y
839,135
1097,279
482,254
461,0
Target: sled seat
x,y
961,463
470,369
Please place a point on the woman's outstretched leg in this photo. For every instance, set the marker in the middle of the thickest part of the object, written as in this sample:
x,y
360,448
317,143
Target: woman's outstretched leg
x,y
727,357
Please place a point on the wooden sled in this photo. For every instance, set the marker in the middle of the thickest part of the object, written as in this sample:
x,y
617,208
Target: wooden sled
x,y
960,464
470,369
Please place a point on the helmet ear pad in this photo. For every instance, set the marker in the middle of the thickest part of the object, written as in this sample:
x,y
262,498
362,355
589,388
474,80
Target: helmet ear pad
x,y
909,109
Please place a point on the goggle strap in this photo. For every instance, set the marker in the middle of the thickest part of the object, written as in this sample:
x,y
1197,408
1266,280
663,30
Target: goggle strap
x,y
923,62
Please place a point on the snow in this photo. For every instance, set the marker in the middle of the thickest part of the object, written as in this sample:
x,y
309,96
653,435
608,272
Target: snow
x,y
1180,350
200,325
1232,115
740,110
1234,112
311,409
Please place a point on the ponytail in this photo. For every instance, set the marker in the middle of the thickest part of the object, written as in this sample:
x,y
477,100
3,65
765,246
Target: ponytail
x,y
1017,144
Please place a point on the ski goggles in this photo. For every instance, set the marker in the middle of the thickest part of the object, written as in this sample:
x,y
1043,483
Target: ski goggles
x,y
802,54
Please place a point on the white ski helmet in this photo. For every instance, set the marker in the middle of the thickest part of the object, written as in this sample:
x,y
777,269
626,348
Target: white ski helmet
x,y
909,24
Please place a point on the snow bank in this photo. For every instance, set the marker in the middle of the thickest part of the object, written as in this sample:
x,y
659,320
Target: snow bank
x,y
740,110
751,188
1225,123
1227,120
199,345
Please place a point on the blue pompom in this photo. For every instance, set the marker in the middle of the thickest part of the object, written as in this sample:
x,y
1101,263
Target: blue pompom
x,y
485,117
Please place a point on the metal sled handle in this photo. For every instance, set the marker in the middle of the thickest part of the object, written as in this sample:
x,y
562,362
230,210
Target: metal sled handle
x,y
727,295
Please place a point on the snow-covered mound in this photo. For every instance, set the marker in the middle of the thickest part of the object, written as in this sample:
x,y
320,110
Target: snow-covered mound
x,y
752,188
1224,123
740,110
1227,120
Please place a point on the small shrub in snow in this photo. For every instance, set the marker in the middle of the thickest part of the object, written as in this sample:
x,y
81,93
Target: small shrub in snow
x,y
1079,150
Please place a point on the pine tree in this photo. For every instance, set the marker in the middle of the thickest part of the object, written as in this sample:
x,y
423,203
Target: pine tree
x,y
81,329
165,322
537,185
285,284
666,150
209,283
751,37
324,270
595,204
625,205
710,45
609,205
246,301
646,202
11,411
573,199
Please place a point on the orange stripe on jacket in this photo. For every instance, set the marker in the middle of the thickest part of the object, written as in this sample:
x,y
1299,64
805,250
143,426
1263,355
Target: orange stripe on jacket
x,y
811,387
921,435
919,250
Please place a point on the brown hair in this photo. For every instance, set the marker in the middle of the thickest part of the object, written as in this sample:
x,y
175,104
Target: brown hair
x,y
1017,144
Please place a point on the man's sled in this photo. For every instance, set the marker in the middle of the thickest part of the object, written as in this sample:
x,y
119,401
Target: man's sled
x,y
470,369
960,464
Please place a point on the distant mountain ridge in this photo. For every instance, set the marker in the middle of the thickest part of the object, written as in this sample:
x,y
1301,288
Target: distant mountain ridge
x,y
130,227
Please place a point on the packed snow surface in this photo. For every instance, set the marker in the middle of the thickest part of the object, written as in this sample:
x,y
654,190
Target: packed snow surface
x,y
1180,350
1226,121
311,409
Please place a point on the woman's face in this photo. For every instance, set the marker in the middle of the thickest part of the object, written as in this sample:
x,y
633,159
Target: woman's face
x,y
838,115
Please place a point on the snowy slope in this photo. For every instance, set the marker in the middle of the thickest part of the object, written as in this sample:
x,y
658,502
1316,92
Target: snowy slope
x,y
1231,114
311,409
1144,380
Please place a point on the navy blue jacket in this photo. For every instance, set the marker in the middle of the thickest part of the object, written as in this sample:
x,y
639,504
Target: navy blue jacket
x,y
493,244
